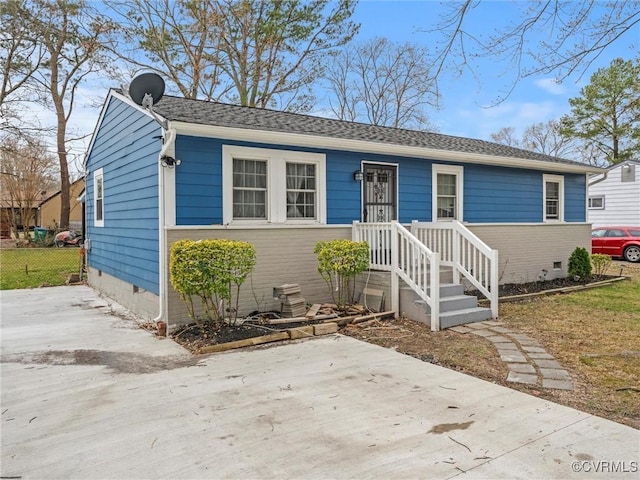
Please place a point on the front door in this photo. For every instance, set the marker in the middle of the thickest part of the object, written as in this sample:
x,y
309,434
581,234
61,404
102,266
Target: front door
x,y
380,193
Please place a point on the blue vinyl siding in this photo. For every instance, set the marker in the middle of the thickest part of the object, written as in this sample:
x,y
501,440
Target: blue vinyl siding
x,y
125,148
491,194
575,198
498,194
199,181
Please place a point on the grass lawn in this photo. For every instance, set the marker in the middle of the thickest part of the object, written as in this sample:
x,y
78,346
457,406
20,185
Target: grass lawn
x,y
595,334
33,267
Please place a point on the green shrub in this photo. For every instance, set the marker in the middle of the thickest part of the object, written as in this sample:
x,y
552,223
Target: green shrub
x,y
211,271
600,263
580,264
339,261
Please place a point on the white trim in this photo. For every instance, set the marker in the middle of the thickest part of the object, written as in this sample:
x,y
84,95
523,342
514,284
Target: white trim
x,y
364,146
123,98
98,174
456,170
593,197
276,184
350,225
561,200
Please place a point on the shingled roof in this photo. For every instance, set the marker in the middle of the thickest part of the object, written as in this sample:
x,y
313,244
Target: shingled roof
x,y
223,115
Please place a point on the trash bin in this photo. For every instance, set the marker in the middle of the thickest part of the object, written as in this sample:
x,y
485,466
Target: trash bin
x,y
39,234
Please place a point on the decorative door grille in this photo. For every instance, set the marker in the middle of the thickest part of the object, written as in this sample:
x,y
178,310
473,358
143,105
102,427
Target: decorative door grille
x,y
380,193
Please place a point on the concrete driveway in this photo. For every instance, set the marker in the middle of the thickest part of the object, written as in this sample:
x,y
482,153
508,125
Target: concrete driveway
x,y
86,394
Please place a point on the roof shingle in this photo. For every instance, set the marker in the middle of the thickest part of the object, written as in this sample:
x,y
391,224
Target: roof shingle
x,y
224,115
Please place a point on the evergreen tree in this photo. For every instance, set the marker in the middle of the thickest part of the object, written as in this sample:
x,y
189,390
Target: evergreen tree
x,y
606,115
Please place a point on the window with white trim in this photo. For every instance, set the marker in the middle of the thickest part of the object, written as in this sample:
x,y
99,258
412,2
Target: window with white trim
x,y
273,186
447,195
553,193
596,203
98,198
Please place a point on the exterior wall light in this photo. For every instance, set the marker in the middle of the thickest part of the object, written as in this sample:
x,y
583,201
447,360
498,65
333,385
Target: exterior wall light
x,y
358,176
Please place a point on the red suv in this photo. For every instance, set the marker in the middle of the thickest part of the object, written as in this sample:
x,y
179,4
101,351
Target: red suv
x,y
617,241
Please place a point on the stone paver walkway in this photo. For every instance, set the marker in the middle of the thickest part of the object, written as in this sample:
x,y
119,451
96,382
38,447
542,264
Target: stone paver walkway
x,y
527,360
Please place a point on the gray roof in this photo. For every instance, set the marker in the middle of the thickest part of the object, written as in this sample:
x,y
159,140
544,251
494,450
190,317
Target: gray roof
x,y
218,114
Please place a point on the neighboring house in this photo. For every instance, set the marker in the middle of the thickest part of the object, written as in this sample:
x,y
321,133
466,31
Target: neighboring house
x,y
284,181
50,208
614,196
11,214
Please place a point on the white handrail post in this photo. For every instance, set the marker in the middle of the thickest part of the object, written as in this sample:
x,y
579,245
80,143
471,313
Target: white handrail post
x,y
435,292
414,227
494,284
355,233
395,281
455,239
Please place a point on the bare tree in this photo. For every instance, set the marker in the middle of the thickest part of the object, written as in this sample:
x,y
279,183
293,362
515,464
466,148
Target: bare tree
x,y
70,41
506,136
259,53
20,57
561,38
382,83
28,170
548,138
178,38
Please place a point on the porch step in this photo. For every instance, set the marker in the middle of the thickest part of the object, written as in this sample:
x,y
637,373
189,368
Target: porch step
x,y
456,302
461,317
456,308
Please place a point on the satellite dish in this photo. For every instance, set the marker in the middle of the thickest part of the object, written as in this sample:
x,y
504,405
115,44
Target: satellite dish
x,y
146,89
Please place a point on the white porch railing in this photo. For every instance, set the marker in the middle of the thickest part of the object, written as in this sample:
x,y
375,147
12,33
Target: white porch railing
x,y
394,248
465,253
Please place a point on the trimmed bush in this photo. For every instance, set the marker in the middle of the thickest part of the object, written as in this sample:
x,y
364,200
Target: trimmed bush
x,y
211,271
600,263
339,261
580,264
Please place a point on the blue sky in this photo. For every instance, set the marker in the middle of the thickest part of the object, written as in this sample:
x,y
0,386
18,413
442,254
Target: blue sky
x,y
465,101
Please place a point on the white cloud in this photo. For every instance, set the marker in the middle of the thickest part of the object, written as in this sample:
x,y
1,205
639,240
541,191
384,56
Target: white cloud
x,y
550,85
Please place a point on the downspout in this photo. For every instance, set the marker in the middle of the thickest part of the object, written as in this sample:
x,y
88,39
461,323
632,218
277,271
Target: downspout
x,y
604,177
168,149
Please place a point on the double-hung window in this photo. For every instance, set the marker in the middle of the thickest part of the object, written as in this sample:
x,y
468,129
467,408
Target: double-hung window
x,y
98,198
553,193
249,189
301,190
272,186
447,199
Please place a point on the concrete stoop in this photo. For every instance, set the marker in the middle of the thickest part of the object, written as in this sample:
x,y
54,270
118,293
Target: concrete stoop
x,y
456,308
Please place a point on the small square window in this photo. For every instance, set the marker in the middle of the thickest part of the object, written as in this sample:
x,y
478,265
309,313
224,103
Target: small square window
x,y
596,203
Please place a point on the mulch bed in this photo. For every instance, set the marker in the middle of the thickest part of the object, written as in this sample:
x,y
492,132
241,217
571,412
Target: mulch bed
x,y
196,338
511,289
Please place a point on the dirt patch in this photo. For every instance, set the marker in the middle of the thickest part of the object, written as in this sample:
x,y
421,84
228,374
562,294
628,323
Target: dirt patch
x,y
119,362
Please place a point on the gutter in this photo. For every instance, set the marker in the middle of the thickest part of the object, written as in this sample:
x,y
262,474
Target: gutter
x,y
604,177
